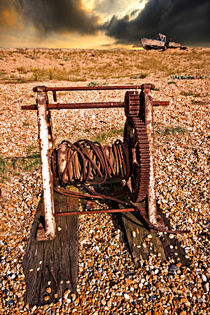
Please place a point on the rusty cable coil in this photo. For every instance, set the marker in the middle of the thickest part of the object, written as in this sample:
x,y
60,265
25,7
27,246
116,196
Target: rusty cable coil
x,y
87,162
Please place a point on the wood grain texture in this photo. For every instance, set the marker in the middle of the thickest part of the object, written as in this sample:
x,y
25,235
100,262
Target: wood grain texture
x,y
52,264
142,241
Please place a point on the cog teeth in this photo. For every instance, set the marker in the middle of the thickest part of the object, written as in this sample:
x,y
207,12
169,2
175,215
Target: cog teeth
x,y
132,105
140,189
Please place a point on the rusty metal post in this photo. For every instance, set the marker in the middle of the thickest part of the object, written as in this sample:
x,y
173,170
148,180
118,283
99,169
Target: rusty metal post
x,y
46,146
147,113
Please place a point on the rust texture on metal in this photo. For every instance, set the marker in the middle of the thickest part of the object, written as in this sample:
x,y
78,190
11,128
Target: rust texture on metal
x,y
83,161
89,105
89,88
116,199
46,147
147,105
89,163
119,177
131,103
95,211
135,136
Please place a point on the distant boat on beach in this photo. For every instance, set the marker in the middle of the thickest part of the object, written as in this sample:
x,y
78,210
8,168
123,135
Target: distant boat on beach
x,y
160,42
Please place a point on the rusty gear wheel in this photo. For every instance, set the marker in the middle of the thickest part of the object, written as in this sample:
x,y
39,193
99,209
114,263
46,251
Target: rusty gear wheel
x,y
132,105
136,137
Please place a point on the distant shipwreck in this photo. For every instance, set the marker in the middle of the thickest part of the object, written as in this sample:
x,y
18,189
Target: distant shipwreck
x,y
160,42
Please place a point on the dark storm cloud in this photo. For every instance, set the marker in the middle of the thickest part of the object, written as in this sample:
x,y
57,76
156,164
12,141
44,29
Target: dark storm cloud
x,y
53,15
187,21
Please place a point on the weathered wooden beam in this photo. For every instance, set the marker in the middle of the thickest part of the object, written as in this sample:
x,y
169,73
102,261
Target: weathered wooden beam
x,y
51,266
142,241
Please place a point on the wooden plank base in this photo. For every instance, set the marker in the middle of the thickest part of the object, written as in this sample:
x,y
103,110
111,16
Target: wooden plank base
x,y
51,267
142,241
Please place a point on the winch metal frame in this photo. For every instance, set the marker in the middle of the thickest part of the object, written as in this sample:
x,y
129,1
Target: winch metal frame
x,y
43,108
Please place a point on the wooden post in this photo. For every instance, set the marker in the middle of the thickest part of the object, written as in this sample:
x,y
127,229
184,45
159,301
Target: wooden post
x,y
46,145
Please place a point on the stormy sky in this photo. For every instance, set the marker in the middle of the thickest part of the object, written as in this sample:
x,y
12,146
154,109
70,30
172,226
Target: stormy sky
x,y
187,21
96,23
53,15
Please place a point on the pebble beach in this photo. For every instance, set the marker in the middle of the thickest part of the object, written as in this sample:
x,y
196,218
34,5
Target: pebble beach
x,y
108,280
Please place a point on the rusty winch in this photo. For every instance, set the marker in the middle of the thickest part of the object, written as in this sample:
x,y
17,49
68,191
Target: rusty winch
x,y
120,176
90,164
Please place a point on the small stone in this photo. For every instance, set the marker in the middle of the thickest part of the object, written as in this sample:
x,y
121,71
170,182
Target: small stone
x,y
73,296
204,278
185,301
46,307
126,296
109,303
59,303
46,298
66,293
206,286
133,234
33,308
59,228
48,290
